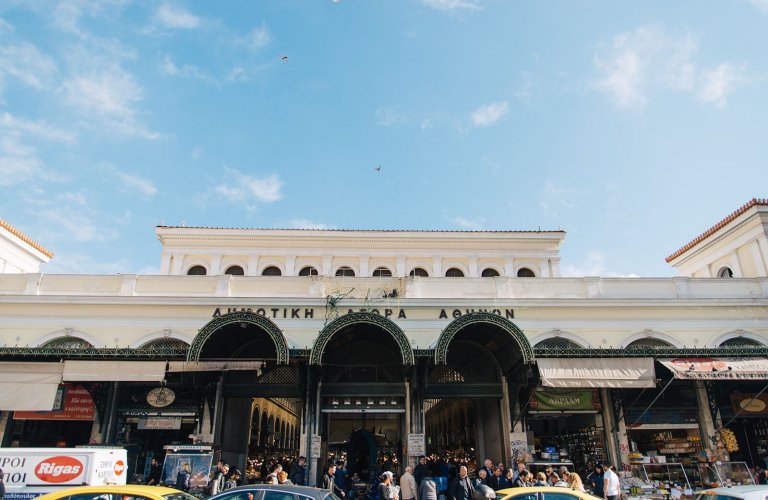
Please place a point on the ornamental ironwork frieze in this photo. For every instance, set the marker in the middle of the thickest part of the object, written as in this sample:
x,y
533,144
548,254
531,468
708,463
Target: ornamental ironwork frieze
x,y
406,353
441,351
281,345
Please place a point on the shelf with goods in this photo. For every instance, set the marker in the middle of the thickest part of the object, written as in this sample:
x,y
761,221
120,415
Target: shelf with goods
x,y
584,448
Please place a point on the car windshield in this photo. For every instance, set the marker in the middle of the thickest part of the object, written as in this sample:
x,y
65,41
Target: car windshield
x,y
180,495
715,496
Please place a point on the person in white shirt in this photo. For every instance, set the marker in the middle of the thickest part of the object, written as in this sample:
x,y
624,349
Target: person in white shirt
x,y
408,489
611,486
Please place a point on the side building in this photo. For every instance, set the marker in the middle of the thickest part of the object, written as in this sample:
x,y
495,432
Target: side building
x,y
379,346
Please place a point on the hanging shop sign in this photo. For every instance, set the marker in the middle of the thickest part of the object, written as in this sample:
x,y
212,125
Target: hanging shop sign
x,y
159,423
565,400
718,368
73,402
416,446
748,404
161,397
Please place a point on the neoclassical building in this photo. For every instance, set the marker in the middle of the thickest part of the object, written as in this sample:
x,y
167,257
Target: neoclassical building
x,y
372,344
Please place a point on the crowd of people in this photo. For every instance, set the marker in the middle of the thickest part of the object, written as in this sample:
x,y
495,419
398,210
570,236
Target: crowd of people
x,y
427,481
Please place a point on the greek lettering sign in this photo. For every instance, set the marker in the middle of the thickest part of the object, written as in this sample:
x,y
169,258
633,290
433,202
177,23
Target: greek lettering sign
x,y
565,400
416,445
315,447
159,423
387,312
73,402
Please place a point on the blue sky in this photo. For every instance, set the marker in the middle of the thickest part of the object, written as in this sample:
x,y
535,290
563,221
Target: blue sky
x,y
634,126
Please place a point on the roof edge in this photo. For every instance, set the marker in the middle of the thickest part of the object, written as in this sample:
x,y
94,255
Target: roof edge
x,y
26,239
754,202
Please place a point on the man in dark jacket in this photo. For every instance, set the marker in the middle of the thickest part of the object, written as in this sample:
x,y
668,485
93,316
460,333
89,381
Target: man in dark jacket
x,y
329,480
421,471
298,472
462,486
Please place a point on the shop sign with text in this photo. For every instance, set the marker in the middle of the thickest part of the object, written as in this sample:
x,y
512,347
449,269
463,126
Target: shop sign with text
x,y
749,404
387,312
565,400
73,402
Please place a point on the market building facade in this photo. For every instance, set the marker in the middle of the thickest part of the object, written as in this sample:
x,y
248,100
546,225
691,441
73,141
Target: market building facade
x,y
385,345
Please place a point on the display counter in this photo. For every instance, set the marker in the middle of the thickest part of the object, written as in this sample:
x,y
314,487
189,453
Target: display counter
x,y
714,474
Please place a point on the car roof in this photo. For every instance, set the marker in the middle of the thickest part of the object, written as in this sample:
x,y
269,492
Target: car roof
x,y
113,488
738,491
288,488
537,489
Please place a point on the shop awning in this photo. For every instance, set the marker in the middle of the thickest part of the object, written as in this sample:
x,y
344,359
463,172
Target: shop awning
x,y
718,368
114,371
213,366
628,373
29,386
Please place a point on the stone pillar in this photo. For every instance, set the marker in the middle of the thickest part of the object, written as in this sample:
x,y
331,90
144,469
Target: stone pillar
x,y
327,264
109,420
437,267
509,268
177,266
616,438
707,424
310,424
364,271
758,255
253,266
290,265
506,422
235,430
165,263
473,269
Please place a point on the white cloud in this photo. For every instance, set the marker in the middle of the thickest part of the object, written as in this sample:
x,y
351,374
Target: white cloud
x,y
246,187
74,225
256,38
133,182
488,114
174,17
308,224
452,5
592,265
644,59
186,71
13,125
720,82
554,198
387,116
27,64
761,4
18,162
473,224
110,94
6,26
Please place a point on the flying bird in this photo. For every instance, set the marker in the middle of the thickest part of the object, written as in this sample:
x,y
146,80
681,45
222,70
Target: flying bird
x,y
284,57
378,168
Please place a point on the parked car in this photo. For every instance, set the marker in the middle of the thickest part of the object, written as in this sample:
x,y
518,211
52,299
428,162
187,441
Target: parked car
x,y
117,492
747,492
274,492
544,493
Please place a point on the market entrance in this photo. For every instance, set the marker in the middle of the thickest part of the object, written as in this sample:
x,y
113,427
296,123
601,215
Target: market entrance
x,y
363,360
255,393
467,406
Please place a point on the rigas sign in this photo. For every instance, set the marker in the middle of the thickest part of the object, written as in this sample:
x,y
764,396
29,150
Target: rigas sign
x,y
390,313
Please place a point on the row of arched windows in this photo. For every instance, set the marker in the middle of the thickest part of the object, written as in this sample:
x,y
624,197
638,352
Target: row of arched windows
x,y
345,271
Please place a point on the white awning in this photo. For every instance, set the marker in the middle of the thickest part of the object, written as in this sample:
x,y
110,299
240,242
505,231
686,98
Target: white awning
x,y
213,366
718,368
628,373
114,371
29,386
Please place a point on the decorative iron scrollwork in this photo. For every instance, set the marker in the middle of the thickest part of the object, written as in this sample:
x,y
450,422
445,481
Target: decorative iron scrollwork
x,y
441,351
281,345
341,322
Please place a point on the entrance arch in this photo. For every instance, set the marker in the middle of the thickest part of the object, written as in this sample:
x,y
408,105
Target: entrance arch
x,y
234,338
502,337
361,318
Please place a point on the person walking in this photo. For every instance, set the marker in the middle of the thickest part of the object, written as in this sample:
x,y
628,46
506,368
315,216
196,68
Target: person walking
x,y
183,478
428,489
462,486
329,481
421,471
611,484
408,486
155,471
595,480
298,472
386,490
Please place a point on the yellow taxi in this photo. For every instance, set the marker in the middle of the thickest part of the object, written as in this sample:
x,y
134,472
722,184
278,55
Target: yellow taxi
x,y
543,493
113,492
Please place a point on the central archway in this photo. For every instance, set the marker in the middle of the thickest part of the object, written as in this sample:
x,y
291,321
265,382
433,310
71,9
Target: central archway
x,y
235,336
361,318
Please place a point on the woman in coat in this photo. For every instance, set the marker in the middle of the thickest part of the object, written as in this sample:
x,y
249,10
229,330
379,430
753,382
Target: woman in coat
x,y
183,478
428,489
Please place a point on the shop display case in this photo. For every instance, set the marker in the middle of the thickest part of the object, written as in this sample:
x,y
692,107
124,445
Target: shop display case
x,y
725,474
664,474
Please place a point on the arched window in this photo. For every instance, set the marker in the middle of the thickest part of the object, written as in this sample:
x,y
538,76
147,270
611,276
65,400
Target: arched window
x,y
741,342
235,271
454,272
489,272
648,342
271,271
418,271
197,271
68,343
557,343
345,271
725,272
382,272
524,272
308,271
